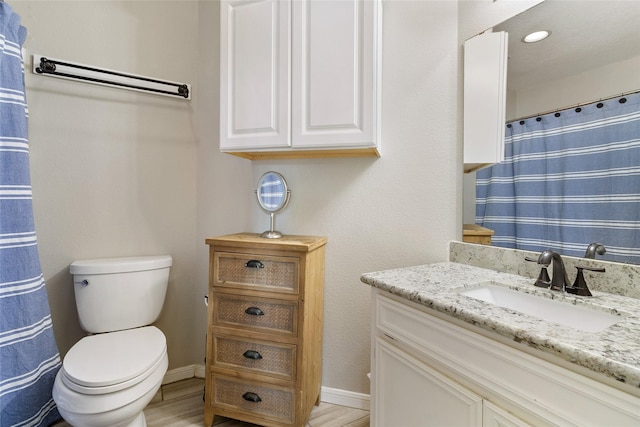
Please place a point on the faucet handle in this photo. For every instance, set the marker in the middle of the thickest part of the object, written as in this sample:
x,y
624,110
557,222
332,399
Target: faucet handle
x,y
543,280
580,285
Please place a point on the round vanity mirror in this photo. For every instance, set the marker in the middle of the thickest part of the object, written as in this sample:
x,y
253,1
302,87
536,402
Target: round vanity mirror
x,y
273,196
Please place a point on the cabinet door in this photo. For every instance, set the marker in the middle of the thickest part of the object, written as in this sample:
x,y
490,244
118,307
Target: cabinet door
x,y
485,93
408,393
334,73
255,64
494,416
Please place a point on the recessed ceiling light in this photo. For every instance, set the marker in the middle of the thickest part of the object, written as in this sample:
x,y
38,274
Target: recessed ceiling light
x,y
536,36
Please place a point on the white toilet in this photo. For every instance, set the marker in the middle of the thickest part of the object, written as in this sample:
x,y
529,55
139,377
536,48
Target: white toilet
x,y
108,378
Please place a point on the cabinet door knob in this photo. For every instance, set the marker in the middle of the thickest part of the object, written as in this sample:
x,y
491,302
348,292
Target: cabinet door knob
x,y
254,263
251,397
254,311
252,354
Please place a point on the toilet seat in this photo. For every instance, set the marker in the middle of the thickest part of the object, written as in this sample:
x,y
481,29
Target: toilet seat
x,y
107,407
113,361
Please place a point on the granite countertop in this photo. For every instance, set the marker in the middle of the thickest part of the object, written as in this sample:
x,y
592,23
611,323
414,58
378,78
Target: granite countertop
x,y
614,352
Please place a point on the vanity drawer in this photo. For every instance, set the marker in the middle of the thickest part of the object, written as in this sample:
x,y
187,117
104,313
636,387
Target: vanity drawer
x,y
259,314
253,398
269,273
256,356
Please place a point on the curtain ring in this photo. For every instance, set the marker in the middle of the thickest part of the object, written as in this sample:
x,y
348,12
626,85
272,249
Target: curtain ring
x,y
622,100
600,105
557,114
578,109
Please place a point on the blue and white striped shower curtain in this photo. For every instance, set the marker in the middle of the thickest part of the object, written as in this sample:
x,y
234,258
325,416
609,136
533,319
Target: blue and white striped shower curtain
x,y
29,358
569,178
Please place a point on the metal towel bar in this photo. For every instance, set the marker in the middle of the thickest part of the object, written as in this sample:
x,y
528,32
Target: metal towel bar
x,y
48,66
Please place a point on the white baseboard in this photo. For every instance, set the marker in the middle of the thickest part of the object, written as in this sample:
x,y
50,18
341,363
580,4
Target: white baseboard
x,y
327,394
183,373
199,371
344,398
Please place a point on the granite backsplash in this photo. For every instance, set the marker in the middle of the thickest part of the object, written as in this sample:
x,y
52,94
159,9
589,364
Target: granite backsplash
x,y
619,279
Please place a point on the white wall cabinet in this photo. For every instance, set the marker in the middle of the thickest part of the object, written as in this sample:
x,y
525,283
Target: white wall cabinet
x,y
485,94
300,78
428,371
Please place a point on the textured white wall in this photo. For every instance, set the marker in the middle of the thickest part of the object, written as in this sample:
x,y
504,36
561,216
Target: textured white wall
x,y
225,185
599,83
395,211
114,172
117,173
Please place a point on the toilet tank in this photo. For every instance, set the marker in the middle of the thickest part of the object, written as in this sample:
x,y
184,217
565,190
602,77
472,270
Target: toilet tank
x,y
113,294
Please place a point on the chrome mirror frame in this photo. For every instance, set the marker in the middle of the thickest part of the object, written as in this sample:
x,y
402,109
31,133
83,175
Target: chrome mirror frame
x,y
273,196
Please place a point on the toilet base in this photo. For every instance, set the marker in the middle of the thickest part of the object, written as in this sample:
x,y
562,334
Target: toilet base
x,y
139,421
110,420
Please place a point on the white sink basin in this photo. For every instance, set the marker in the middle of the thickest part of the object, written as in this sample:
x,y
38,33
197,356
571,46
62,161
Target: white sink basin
x,y
578,317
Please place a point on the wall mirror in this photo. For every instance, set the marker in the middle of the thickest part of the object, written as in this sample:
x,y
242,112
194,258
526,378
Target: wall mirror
x,y
593,53
273,196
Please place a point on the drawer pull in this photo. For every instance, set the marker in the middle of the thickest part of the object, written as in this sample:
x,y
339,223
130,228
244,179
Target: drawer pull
x,y
251,397
254,311
252,354
254,263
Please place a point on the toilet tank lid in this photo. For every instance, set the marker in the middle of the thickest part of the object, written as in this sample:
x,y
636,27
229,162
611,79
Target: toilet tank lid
x,y
120,265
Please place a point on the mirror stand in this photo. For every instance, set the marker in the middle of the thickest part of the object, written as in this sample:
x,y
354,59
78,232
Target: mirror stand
x,y
273,196
272,233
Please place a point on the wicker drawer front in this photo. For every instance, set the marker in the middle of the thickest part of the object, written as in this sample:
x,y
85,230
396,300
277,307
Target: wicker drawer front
x,y
255,313
253,398
237,354
275,274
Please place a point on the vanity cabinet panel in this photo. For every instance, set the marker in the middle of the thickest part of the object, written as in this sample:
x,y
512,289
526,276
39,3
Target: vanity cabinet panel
x,y
494,416
264,340
312,68
485,95
524,388
410,393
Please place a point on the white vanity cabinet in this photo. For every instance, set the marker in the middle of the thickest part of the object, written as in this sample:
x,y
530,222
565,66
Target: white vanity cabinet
x,y
299,78
428,370
485,95
410,393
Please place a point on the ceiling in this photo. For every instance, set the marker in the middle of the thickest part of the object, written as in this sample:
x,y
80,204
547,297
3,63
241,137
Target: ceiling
x,y
584,34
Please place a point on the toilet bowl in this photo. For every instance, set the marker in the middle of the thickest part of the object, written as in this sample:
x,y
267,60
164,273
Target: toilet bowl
x,y
108,378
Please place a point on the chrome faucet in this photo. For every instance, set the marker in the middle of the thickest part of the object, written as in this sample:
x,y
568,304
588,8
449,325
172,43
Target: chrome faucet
x,y
559,280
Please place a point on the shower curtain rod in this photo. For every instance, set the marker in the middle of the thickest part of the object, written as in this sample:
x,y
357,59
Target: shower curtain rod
x,y
46,66
574,106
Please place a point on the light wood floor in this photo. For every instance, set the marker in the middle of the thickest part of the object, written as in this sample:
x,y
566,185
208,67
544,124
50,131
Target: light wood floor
x,y
180,405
